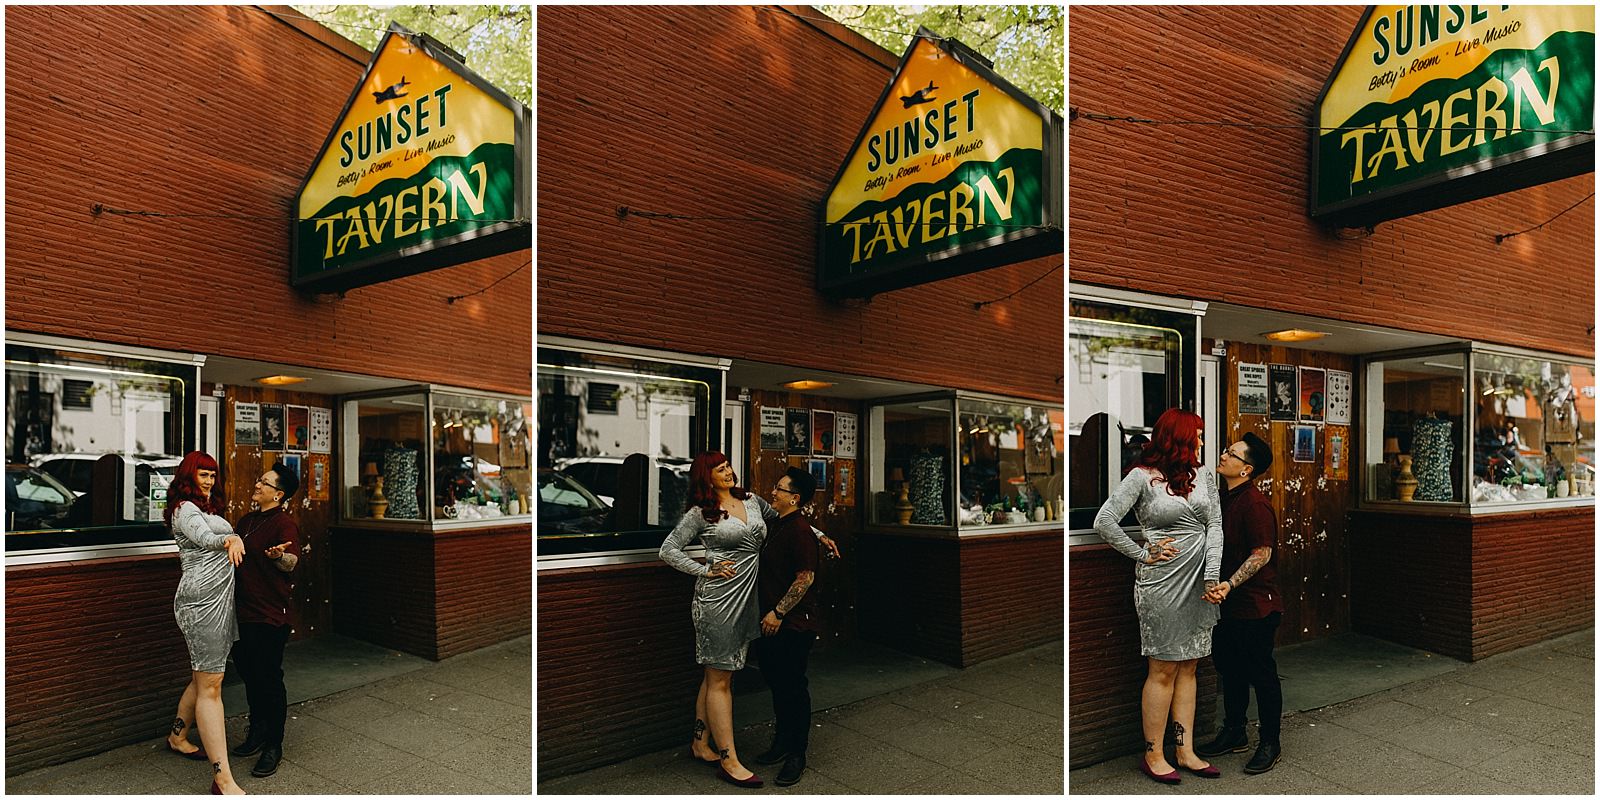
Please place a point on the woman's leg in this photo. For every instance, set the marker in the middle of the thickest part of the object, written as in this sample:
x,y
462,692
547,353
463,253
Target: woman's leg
x,y
702,742
1156,699
719,715
213,736
178,738
1183,715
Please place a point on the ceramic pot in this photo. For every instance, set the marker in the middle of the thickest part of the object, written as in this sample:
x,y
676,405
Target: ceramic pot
x,y
1406,485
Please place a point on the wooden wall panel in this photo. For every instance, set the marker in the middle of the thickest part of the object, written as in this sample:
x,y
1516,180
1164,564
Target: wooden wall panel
x,y
616,675
1105,672
1011,589
835,586
1312,555
111,677
483,582
384,588
312,609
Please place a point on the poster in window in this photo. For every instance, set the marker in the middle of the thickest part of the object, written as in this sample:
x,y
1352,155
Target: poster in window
x,y
771,428
1339,383
1253,389
798,424
844,483
246,424
296,428
1337,459
1305,444
292,462
271,426
321,430
844,435
822,433
1285,388
317,477
1313,394
819,471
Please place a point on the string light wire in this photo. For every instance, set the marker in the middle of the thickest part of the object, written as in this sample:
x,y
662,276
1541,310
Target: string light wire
x,y
1047,273
1501,237
452,300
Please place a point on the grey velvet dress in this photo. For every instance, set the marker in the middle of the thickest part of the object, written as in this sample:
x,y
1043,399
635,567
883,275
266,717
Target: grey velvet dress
x,y
724,610
204,603
1175,621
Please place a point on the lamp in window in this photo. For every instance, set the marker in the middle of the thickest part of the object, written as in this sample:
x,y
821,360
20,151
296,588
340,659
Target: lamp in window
x,y
902,506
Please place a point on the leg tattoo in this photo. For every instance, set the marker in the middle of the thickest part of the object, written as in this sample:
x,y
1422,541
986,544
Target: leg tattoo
x,y
1149,746
699,729
723,754
178,725
216,767
1178,733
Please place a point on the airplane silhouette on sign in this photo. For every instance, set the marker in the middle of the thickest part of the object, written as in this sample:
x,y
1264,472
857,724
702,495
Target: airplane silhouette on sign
x,y
393,92
920,96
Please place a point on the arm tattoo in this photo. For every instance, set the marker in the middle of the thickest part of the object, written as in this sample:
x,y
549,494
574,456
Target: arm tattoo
x,y
287,561
1258,558
802,582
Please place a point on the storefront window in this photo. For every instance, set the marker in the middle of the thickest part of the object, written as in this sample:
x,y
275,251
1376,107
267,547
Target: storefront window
x,y
480,458
1533,437
1416,408
616,436
911,462
389,434
1011,463
1126,366
91,445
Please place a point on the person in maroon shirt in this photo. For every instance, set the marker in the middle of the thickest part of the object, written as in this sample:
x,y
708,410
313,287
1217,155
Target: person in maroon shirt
x,y
1252,607
789,627
272,548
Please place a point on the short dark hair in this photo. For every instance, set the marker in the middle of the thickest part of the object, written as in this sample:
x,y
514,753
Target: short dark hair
x,y
803,484
1259,453
288,482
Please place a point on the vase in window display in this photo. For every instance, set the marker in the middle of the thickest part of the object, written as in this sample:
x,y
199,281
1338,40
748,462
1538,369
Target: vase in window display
x,y
1406,484
378,504
400,475
927,490
1432,454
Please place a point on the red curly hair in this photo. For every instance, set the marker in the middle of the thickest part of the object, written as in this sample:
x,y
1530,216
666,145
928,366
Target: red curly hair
x,y
703,493
1172,452
186,487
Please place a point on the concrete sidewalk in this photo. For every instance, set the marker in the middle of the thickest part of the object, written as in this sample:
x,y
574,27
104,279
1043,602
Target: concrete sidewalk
x,y
1516,723
459,726
993,728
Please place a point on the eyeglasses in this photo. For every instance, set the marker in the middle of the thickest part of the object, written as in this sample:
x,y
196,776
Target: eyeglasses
x,y
263,482
790,491
1236,456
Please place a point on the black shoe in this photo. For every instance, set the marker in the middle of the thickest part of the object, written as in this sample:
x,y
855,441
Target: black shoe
x,y
268,763
1229,740
1266,758
250,746
773,755
792,767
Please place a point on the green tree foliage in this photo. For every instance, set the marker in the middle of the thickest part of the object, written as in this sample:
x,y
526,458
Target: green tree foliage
x,y
1024,42
497,41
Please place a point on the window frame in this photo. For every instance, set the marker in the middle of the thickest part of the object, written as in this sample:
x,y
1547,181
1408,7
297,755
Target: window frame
x,y
159,540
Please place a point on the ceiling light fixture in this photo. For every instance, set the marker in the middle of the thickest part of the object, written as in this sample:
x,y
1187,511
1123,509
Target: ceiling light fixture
x,y
281,380
802,386
1294,335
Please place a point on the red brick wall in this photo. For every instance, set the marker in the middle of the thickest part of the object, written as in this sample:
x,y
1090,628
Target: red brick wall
x,y
197,110
1220,213
1011,589
483,582
111,677
739,111
1487,584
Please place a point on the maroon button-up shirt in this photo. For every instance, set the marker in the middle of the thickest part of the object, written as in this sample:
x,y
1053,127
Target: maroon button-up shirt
x,y
790,549
262,591
1248,522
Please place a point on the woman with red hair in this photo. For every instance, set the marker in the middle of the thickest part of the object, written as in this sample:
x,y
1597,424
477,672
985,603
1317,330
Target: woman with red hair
x,y
1179,509
208,550
732,524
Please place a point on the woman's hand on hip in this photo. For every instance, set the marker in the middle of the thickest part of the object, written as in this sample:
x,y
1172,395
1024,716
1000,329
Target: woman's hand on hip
x,y
722,569
1163,550
235,549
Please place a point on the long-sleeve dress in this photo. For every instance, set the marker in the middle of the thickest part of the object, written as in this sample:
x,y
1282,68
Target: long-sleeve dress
x,y
1175,621
204,602
724,609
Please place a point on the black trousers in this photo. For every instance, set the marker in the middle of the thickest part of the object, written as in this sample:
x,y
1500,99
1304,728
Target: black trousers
x,y
1241,649
259,656
783,657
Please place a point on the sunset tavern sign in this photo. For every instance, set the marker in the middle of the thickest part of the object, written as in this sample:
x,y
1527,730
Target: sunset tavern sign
x,y
427,168
955,171
1430,106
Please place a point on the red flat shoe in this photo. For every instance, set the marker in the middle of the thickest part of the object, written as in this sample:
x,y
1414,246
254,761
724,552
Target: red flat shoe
x,y
197,755
215,789
1208,771
752,782
1169,778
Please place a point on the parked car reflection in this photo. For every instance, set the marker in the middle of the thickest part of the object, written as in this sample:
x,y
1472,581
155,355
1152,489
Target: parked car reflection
x,y
567,506
34,500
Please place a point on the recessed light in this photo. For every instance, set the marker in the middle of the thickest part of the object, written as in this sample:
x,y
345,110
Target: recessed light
x,y
801,386
281,380
1294,335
